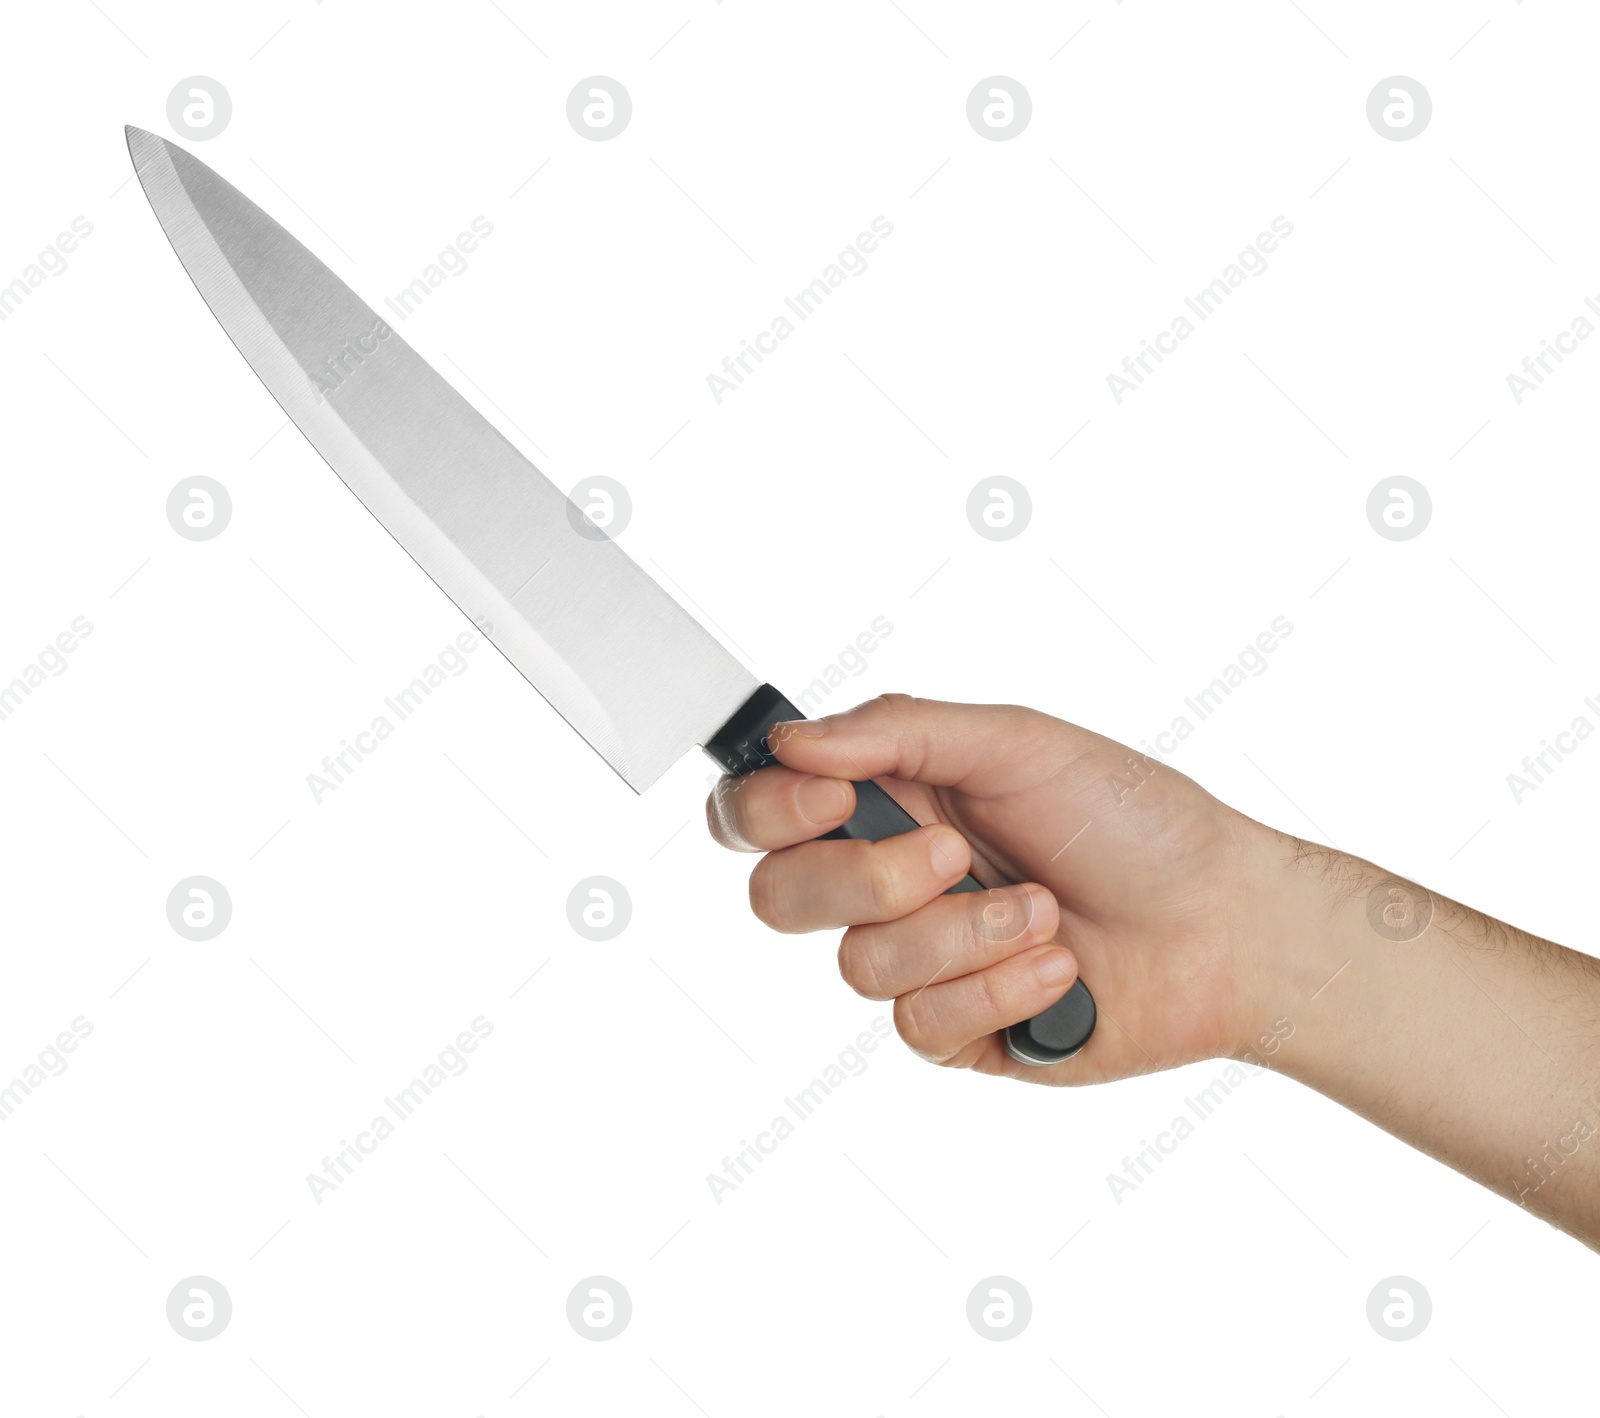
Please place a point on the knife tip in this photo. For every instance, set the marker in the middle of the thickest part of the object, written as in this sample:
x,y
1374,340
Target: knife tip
x,y
142,145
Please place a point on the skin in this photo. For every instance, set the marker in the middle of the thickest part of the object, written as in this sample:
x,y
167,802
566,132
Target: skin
x,y
1203,934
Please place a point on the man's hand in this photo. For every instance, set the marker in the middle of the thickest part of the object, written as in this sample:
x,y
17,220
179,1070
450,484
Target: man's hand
x,y
1202,934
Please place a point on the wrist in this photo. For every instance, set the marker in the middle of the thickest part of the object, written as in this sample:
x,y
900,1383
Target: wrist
x,y
1306,947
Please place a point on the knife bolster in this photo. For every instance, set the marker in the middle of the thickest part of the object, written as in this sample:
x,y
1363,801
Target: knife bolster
x,y
740,746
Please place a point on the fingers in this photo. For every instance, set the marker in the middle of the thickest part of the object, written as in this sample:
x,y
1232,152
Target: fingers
x,y
962,968
981,748
950,1022
949,937
776,807
821,885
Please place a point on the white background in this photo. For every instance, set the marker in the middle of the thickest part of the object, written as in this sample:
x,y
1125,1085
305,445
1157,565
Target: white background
x,y
1169,532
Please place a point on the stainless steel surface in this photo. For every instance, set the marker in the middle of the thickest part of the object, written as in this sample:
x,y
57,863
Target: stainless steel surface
x,y
612,652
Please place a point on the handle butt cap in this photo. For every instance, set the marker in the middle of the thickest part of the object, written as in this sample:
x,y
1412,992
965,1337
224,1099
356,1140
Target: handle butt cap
x,y
1056,1035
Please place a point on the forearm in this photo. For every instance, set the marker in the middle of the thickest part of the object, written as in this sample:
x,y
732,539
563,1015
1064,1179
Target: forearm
x,y
1473,1041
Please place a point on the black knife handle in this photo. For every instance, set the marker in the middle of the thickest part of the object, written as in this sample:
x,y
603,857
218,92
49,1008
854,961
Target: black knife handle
x,y
740,746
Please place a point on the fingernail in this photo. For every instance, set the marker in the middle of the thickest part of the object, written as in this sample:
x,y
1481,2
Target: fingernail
x,y
942,851
797,728
1006,914
1055,967
821,800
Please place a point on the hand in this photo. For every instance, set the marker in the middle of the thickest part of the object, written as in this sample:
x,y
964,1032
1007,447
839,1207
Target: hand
x,y
1107,861
1200,932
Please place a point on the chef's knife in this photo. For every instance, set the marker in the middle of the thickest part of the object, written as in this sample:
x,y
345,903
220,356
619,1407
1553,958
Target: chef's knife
x,y
612,652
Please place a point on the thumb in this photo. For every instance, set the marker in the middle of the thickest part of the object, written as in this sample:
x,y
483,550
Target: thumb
x,y
985,749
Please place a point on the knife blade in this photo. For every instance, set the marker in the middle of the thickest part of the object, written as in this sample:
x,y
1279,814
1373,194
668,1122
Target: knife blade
x,y
616,656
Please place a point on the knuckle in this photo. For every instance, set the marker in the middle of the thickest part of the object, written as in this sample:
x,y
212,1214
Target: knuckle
x,y
716,817
983,989
996,919
723,813
908,1023
766,895
968,1055
859,966
886,885
893,706
915,1021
